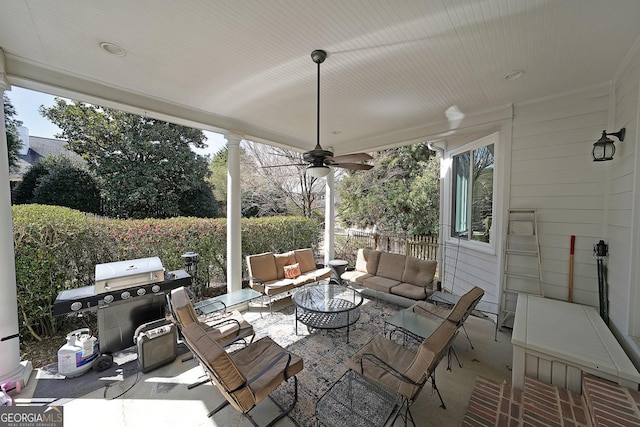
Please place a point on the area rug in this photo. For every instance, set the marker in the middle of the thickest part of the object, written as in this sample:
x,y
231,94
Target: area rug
x,y
324,352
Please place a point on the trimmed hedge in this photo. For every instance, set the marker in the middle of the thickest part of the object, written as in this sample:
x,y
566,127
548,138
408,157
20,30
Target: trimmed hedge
x,y
57,248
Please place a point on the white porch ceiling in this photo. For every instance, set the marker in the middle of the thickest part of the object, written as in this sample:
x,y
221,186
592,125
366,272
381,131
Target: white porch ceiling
x,y
394,67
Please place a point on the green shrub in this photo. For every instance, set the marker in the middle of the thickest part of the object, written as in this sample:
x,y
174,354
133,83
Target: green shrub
x,y
57,248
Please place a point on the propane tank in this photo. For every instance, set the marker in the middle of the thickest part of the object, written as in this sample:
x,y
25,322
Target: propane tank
x,y
77,355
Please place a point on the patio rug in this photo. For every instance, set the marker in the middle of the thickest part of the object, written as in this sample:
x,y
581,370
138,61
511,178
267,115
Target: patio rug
x,y
325,352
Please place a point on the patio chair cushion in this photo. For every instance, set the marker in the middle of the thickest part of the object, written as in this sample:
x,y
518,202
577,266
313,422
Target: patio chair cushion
x,y
379,283
409,290
219,364
282,260
392,353
367,261
419,272
430,310
305,258
223,327
252,359
391,266
275,287
417,367
430,352
466,304
182,307
263,266
246,376
355,276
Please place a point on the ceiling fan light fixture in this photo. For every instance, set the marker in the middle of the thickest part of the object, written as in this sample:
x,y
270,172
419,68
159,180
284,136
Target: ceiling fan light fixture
x,y
318,171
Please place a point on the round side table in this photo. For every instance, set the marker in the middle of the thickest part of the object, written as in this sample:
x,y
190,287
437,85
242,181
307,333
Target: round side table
x,y
338,266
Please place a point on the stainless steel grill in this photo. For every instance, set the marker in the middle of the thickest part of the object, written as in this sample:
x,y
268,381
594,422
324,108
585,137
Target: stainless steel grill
x,y
126,295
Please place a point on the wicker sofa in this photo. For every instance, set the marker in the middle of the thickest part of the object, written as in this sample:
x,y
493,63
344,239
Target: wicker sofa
x,y
396,274
267,271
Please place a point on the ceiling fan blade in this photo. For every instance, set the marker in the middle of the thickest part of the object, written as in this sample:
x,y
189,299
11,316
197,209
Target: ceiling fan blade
x,y
355,157
282,166
352,166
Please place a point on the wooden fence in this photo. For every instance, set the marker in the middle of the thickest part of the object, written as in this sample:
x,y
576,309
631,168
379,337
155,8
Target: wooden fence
x,y
422,247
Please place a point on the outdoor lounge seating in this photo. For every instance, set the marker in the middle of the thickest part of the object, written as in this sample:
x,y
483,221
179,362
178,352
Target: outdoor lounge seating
x,y
399,368
267,273
396,274
226,328
457,315
247,376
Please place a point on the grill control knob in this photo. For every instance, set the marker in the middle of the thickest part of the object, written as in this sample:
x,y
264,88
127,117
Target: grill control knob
x,y
76,306
108,299
141,292
125,295
155,289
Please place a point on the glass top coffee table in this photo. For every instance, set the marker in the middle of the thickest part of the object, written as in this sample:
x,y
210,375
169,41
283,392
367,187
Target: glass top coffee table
x,y
410,324
327,306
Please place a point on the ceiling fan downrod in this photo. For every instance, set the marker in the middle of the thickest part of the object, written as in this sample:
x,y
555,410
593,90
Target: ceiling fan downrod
x,y
318,56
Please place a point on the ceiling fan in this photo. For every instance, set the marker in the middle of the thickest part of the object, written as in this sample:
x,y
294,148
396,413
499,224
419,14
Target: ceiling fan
x,y
320,159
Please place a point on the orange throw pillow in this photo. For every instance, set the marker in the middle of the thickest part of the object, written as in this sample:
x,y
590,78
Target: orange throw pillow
x,y
292,271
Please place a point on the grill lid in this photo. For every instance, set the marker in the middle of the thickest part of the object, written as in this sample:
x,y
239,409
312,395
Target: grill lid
x,y
127,274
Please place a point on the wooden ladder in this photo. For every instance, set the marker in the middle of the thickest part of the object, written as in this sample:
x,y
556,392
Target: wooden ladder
x,y
522,264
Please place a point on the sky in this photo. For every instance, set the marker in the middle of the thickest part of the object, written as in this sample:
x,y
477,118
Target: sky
x,y
26,103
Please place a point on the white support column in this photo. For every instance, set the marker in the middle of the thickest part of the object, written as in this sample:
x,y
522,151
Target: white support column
x,y
11,369
329,218
234,215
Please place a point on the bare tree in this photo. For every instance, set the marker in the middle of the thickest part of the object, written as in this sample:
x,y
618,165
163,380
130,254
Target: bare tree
x,y
274,180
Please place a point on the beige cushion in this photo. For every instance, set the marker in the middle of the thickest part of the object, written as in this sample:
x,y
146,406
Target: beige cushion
x,y
321,273
255,357
283,260
222,328
396,355
232,371
381,284
430,310
305,258
419,272
262,266
415,366
466,304
367,260
429,355
412,291
355,276
220,366
391,266
182,308
274,287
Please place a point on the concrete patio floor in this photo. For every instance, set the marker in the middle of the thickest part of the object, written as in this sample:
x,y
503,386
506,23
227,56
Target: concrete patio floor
x,y
161,398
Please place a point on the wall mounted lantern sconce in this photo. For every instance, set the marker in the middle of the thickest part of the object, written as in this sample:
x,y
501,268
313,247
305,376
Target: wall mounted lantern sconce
x,y
603,149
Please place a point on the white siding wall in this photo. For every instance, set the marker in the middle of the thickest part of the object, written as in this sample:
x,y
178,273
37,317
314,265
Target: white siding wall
x,y
466,268
552,171
468,264
623,203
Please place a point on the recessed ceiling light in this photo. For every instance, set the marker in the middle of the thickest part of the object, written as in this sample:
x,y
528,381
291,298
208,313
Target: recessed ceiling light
x,y
514,75
113,49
